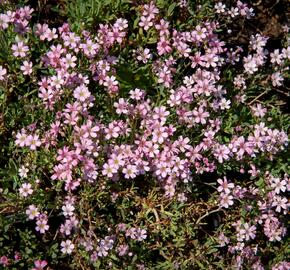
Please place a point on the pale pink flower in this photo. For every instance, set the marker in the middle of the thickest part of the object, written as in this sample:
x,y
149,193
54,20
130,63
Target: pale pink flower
x,y
258,110
25,190
21,139
224,104
162,169
33,142
32,211
225,186
226,200
3,73
223,240
26,68
276,57
247,232
220,8
278,185
70,60
129,171
277,79
280,203
56,81
159,134
67,247
51,34
41,225
4,21
144,55
145,23
200,115
121,24
19,49
82,93
109,170
221,152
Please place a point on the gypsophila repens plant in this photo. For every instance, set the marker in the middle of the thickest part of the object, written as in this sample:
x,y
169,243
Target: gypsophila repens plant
x,y
143,135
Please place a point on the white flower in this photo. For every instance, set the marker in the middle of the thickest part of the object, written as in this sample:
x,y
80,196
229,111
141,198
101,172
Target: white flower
x,y
220,7
68,210
23,172
224,104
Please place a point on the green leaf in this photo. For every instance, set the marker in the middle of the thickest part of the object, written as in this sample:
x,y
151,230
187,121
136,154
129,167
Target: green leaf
x,y
171,9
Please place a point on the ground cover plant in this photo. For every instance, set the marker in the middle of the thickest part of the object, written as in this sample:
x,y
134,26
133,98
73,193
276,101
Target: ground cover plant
x,y
144,134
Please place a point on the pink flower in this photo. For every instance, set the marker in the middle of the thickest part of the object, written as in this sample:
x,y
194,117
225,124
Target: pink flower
x,y
162,27
50,34
39,265
220,7
276,57
71,40
4,21
23,171
163,46
56,81
199,33
223,240
121,106
162,169
221,152
4,260
140,234
137,94
277,79
121,24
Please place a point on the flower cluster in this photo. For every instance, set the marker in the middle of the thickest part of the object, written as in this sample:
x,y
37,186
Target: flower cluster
x,y
98,132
